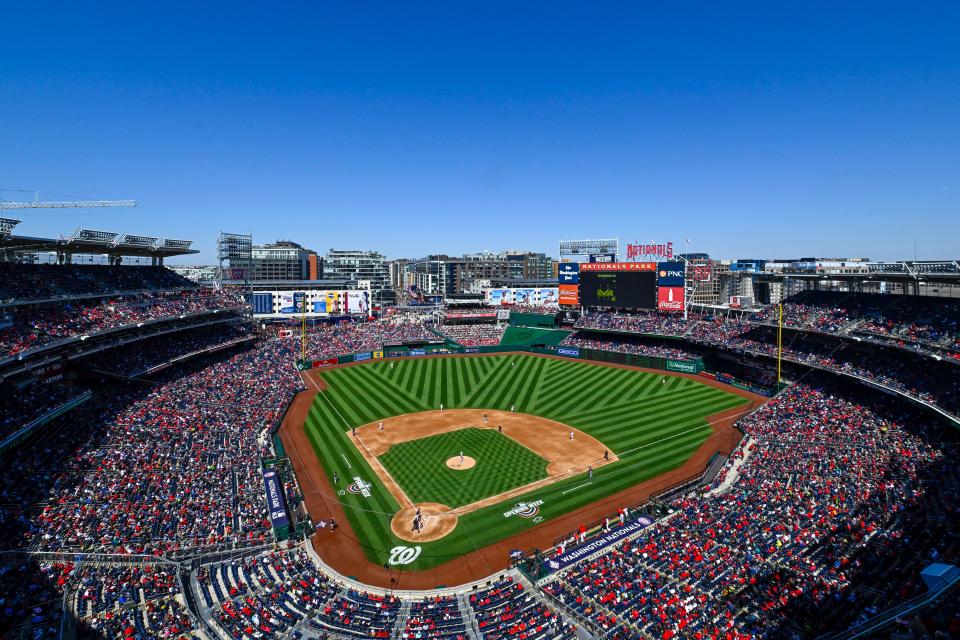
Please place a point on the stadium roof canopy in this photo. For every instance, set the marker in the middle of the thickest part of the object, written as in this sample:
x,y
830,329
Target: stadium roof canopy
x,y
91,241
945,271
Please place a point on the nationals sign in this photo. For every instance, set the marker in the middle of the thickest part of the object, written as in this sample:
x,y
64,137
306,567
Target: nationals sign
x,y
635,251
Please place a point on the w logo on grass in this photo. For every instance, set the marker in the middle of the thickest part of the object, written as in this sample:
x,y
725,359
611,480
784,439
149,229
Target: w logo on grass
x,y
524,509
403,555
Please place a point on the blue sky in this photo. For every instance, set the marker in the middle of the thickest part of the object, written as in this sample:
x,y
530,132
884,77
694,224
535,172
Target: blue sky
x,y
763,129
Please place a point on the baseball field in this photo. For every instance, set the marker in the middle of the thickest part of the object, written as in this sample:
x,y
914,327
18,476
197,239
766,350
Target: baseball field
x,y
519,440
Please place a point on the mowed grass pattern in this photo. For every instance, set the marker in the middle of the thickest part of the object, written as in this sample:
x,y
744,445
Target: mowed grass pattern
x,y
653,422
502,464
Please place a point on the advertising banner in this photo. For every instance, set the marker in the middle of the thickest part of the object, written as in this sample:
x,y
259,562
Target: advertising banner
x,y
377,355
263,303
418,352
702,272
681,366
503,314
326,362
568,273
299,302
320,307
670,299
548,296
570,294
499,296
571,352
602,542
670,274
471,349
276,502
603,257
286,302
618,266
360,357
358,301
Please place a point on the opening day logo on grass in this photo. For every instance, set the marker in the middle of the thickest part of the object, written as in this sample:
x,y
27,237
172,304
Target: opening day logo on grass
x,y
359,487
524,509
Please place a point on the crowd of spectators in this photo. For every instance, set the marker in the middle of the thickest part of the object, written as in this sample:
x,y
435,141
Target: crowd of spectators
x,y
839,500
154,352
922,323
40,325
44,281
172,468
345,337
474,335
648,322
610,343
789,549
22,403
507,610
543,309
935,383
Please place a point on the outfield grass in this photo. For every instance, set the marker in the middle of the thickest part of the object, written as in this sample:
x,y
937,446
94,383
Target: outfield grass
x,y
419,466
651,421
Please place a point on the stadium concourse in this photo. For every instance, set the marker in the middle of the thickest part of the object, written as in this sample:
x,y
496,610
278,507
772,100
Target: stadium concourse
x,y
132,501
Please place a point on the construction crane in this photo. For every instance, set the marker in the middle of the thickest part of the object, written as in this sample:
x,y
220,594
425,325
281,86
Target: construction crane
x,y
74,204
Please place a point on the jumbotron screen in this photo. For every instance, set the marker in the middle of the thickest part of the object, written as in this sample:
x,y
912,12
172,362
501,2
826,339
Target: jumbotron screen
x,y
624,289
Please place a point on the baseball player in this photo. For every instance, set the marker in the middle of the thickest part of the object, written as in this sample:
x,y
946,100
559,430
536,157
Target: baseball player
x,y
461,458
441,407
380,427
336,478
571,436
500,428
590,473
606,454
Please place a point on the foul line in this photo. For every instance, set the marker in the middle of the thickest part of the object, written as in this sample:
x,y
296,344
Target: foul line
x,y
563,493
372,458
346,461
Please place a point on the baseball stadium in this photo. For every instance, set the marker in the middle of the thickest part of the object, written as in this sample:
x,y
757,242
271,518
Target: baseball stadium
x,y
480,321
609,453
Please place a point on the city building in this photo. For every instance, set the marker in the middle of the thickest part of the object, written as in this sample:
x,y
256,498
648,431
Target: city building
x,y
469,274
362,267
284,260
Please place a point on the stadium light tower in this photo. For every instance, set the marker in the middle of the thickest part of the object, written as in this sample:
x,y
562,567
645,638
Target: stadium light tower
x,y
71,204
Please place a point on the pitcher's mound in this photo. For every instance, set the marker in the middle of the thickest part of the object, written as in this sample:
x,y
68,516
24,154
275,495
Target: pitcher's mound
x,y
437,522
454,463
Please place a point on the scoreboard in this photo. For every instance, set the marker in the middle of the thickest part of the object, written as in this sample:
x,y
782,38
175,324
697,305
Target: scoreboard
x,y
619,289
